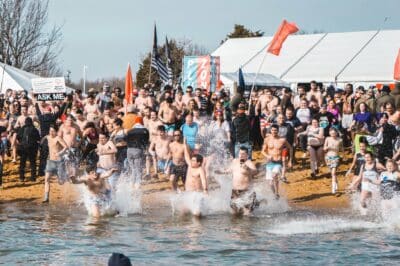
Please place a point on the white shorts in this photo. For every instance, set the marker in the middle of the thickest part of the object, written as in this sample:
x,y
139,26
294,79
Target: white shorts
x,y
367,186
347,119
273,169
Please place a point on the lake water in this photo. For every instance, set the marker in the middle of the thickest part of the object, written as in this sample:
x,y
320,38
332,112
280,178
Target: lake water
x,y
64,235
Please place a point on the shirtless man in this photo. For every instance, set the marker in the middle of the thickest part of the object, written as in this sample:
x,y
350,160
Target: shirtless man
x,y
188,95
272,150
178,165
143,100
106,151
243,171
168,115
314,93
178,103
196,177
80,120
70,133
153,124
159,150
100,190
146,116
91,109
57,146
266,102
106,120
21,119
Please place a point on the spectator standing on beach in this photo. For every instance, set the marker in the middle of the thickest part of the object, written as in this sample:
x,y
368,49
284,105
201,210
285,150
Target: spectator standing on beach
x,y
28,139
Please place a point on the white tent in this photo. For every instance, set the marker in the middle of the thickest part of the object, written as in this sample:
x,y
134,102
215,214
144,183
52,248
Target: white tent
x,y
359,57
262,80
15,79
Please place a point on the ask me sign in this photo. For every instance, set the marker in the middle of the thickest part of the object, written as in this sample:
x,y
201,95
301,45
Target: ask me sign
x,y
49,89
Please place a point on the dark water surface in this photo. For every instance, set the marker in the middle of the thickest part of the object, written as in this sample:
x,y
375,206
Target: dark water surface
x,y
36,235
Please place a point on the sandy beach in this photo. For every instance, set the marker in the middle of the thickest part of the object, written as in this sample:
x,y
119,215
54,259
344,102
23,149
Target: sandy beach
x,y
301,191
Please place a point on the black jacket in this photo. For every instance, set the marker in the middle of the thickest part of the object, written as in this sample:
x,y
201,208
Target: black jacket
x,y
28,138
45,120
241,128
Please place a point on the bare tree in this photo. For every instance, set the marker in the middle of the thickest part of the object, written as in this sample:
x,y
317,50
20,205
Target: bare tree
x,y
24,42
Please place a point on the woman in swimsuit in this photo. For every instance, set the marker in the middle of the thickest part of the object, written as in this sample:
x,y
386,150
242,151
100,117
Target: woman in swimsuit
x,y
333,144
369,181
118,136
315,141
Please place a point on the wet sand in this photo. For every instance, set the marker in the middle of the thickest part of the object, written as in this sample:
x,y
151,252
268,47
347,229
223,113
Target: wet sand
x,y
301,191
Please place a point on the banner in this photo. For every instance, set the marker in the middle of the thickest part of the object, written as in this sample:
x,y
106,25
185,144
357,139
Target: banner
x,y
49,89
201,72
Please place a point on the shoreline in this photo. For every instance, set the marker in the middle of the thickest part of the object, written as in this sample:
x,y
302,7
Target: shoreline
x,y
300,192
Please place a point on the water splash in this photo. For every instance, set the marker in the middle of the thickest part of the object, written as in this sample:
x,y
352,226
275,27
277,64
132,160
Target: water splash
x,y
214,146
321,226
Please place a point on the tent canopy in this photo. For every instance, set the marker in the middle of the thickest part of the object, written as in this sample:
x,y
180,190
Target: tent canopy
x,y
262,79
365,56
15,79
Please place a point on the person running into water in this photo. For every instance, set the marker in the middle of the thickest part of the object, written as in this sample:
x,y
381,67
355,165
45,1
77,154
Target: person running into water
x,y
389,181
99,189
243,199
178,167
333,144
369,179
159,149
358,162
272,150
57,147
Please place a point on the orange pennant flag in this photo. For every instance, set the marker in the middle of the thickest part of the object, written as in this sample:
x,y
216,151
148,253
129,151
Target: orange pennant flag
x,y
280,36
397,67
128,85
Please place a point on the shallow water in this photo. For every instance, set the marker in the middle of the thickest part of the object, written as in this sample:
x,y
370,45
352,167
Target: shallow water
x,y
54,235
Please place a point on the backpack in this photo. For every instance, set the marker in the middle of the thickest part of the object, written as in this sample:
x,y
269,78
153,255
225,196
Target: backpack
x,y
29,139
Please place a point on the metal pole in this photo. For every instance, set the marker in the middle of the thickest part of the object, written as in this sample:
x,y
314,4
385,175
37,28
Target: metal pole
x,y
84,79
151,58
255,78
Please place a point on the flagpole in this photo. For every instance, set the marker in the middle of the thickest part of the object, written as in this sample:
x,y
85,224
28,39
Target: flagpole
x,y
151,57
255,78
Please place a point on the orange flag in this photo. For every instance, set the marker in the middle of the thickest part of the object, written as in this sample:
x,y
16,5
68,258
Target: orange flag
x,y
128,85
280,36
397,68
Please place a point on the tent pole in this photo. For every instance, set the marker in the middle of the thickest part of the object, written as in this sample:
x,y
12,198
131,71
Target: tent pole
x,y
255,78
2,78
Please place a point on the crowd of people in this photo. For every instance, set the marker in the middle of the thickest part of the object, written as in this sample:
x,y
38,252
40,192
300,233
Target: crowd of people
x,y
162,133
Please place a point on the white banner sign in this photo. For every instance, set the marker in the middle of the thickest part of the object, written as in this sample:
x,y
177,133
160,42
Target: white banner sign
x,y
48,85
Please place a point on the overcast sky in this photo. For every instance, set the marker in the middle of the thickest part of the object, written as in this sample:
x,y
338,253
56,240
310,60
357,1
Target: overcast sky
x,y
106,35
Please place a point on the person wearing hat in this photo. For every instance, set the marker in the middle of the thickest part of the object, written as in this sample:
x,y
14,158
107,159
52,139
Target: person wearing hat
x,y
384,98
138,141
131,118
103,98
396,95
241,131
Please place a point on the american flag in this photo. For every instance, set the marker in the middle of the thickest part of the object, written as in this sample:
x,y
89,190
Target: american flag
x,y
168,55
156,61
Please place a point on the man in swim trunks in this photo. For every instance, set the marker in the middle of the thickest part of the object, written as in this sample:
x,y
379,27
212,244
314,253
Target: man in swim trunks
x,y
168,115
243,171
178,166
57,146
272,150
159,149
100,190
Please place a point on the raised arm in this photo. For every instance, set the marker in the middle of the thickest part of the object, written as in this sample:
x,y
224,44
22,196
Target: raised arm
x,y
187,153
203,180
108,173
